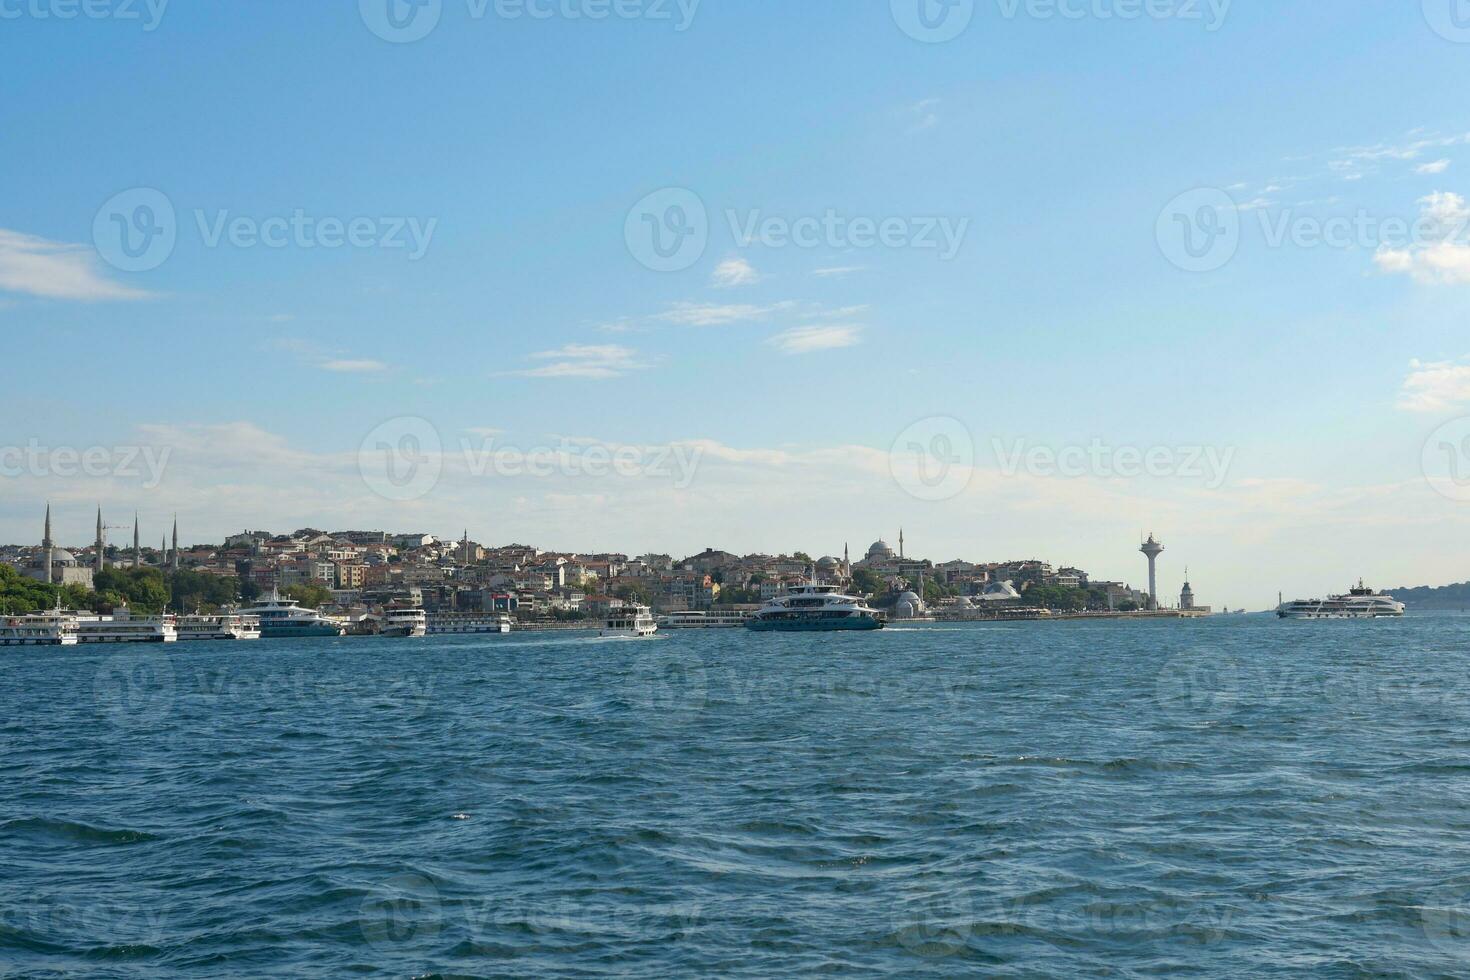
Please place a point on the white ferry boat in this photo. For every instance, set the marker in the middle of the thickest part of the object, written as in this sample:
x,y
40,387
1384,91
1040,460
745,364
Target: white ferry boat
x,y
635,621
284,619
1360,603
465,624
224,626
405,621
693,620
820,608
123,627
48,629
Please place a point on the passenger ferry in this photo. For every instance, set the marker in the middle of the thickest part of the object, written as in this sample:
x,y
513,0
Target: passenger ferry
x,y
405,621
464,624
284,618
1360,603
693,620
820,608
224,626
48,629
123,627
635,621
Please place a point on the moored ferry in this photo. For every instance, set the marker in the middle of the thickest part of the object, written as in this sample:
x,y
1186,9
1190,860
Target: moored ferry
x,y
815,608
405,621
694,620
224,626
1360,603
285,619
48,629
634,621
123,627
464,624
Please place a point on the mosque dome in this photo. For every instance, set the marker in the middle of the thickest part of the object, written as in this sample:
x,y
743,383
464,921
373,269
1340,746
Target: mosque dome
x,y
827,562
880,549
908,606
59,556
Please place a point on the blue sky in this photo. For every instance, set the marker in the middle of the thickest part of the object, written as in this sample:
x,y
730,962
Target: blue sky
x,y
1055,142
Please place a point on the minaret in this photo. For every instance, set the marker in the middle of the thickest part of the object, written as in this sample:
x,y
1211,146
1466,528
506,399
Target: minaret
x,y
100,562
162,552
1152,549
47,545
137,548
467,548
900,543
846,561
176,543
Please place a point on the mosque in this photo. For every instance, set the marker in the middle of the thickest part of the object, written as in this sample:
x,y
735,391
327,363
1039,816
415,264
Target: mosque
x,y
61,567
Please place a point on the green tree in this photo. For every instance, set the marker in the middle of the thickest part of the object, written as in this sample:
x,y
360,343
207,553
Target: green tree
x,y
143,589
200,590
20,595
310,594
867,581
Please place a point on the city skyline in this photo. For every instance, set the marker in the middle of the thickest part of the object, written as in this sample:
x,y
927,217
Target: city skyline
x,y
791,294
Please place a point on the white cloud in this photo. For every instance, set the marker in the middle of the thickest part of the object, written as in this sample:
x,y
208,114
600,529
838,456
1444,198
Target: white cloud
x,y
1438,386
837,272
805,340
1430,169
54,270
734,272
354,367
718,314
591,361
925,114
1441,262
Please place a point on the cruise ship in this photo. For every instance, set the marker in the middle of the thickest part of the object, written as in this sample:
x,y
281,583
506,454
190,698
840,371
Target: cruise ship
x,y
467,624
405,621
1360,603
48,629
123,627
224,626
821,608
285,619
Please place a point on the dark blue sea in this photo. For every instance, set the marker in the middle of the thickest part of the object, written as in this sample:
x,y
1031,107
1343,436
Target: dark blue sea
x,y
1237,797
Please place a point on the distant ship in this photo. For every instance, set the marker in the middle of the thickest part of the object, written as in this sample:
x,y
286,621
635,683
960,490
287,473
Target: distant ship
x,y
41,629
468,623
1360,603
814,608
693,620
284,619
405,621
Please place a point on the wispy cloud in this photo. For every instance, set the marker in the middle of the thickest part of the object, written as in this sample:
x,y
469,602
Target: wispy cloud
x,y
1438,386
925,115
837,271
354,367
591,361
718,314
734,272
806,340
55,270
1430,169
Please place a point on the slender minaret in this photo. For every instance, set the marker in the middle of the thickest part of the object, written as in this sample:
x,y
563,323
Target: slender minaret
x,y
1151,550
163,552
846,561
99,562
466,547
47,545
175,565
900,543
137,547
